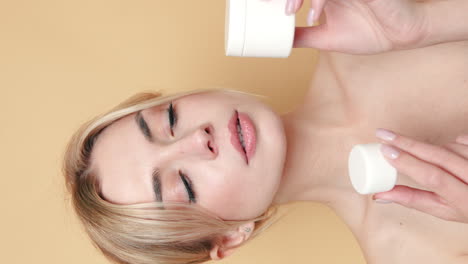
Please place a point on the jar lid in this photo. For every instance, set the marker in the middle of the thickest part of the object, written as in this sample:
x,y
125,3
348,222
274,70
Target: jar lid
x,y
235,27
369,171
258,28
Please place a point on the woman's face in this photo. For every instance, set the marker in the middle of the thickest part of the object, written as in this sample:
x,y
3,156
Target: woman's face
x,y
196,151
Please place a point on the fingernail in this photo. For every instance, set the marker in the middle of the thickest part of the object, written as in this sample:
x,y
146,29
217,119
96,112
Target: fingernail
x,y
310,17
290,7
385,134
463,139
390,152
381,201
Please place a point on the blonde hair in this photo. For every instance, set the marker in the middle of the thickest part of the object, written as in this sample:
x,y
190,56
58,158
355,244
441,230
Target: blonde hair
x,y
148,232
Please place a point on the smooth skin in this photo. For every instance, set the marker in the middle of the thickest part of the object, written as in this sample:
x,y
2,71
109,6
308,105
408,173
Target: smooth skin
x,y
374,26
409,76
364,26
349,97
193,144
443,170
196,148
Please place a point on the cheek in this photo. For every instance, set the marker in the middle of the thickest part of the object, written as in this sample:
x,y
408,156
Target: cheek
x,y
229,207
235,199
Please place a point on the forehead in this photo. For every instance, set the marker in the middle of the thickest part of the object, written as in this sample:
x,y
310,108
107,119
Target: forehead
x,y
118,161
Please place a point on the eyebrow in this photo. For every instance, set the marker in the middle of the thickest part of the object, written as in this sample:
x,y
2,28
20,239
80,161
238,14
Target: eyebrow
x,y
143,126
155,175
156,180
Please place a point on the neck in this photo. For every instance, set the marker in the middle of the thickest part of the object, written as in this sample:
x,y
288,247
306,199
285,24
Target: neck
x,y
319,136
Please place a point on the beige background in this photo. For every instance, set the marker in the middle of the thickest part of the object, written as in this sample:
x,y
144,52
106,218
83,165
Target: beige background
x,y
62,62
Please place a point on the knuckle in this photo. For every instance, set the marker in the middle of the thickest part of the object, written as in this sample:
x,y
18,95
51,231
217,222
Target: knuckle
x,y
434,179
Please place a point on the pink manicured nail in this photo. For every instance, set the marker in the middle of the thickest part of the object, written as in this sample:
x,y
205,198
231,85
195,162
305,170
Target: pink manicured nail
x,y
291,7
311,17
385,134
390,152
462,139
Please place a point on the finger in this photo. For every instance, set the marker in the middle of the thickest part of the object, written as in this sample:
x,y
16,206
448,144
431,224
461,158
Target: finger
x,y
444,158
460,149
318,36
292,6
424,201
316,9
312,37
427,175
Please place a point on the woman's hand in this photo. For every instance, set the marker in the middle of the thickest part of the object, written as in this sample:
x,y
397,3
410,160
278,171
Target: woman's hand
x,y
442,170
363,26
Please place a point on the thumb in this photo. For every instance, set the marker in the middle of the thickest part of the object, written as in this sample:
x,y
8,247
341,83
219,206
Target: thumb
x,y
316,8
312,37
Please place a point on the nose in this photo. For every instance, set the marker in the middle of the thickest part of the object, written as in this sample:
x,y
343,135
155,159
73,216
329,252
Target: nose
x,y
199,143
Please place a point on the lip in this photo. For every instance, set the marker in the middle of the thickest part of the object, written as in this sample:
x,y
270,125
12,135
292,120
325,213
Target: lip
x,y
232,126
248,133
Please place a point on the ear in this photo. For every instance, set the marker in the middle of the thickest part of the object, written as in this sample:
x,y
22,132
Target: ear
x,y
230,241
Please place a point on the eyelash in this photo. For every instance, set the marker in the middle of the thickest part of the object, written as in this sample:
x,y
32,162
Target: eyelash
x,y
172,117
188,186
172,114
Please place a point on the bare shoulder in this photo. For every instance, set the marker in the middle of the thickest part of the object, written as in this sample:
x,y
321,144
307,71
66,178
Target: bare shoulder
x,y
421,93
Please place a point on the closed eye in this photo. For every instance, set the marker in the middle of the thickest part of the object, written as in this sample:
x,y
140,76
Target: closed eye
x,y
188,187
172,115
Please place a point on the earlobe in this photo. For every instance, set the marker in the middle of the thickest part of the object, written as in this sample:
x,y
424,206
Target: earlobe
x,y
217,253
231,241
228,244
214,253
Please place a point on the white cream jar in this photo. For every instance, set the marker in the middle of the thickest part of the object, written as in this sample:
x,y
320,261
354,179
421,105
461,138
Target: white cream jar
x,y
258,28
